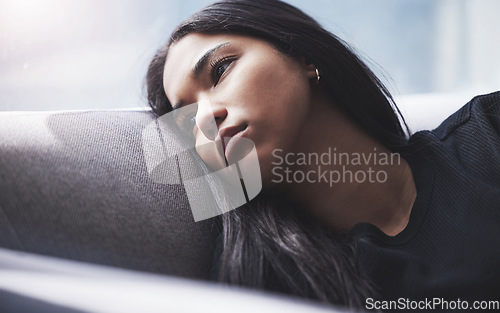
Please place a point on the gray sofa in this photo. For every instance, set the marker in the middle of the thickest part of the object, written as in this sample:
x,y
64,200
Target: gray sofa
x,y
75,185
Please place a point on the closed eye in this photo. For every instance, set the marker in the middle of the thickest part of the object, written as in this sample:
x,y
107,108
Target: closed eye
x,y
185,118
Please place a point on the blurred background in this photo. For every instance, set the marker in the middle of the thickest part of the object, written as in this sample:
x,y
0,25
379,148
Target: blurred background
x,y
93,54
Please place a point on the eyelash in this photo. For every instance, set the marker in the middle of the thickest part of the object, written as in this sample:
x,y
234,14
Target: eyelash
x,y
217,64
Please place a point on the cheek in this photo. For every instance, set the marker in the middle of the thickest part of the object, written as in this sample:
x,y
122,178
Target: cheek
x,y
279,99
275,97
275,88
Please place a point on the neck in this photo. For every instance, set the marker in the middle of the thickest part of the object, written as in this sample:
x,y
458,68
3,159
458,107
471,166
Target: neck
x,y
353,178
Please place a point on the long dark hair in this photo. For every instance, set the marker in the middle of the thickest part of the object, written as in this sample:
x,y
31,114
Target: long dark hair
x,y
271,243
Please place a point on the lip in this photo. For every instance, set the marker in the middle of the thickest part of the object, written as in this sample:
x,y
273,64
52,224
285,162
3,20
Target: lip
x,y
229,137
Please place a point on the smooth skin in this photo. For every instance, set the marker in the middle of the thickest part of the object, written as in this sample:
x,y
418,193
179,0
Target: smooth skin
x,y
246,84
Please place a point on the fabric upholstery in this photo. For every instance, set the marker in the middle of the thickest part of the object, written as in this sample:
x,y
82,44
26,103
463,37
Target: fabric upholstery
x,y
75,185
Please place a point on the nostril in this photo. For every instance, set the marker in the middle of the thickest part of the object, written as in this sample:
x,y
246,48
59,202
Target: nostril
x,y
209,119
219,118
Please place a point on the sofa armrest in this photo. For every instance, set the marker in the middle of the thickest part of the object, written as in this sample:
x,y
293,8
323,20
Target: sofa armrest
x,y
75,185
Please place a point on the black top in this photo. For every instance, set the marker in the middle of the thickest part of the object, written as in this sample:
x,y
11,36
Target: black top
x,y
450,249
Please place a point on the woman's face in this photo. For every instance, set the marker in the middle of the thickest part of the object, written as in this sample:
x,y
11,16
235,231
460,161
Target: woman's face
x,y
247,87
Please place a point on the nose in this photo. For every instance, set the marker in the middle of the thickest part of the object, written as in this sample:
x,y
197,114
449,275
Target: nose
x,y
209,117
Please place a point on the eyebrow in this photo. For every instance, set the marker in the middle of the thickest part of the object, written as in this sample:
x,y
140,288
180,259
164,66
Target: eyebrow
x,y
202,62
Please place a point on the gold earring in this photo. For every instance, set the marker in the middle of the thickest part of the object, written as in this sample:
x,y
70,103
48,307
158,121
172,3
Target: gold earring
x,y
317,76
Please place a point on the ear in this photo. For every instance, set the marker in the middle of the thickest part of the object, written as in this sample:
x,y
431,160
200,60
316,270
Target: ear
x,y
310,69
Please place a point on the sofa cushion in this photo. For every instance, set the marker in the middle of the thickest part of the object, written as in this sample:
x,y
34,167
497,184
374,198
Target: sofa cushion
x,y
75,185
